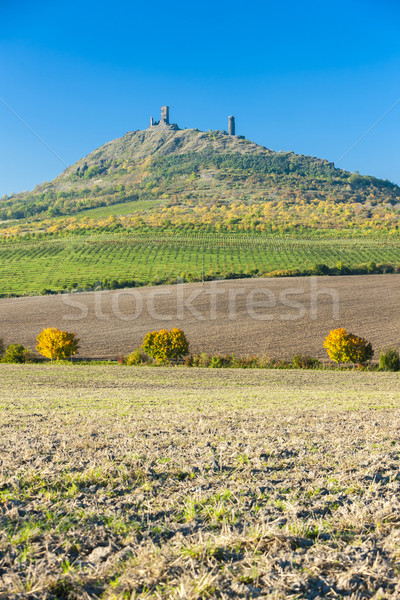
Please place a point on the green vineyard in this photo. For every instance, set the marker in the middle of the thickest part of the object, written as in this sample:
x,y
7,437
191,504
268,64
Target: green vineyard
x,y
150,259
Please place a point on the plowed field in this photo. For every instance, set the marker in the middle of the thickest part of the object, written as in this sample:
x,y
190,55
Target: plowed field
x,y
275,317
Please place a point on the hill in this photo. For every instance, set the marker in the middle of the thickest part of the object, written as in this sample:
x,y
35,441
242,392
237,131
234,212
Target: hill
x,y
161,204
194,180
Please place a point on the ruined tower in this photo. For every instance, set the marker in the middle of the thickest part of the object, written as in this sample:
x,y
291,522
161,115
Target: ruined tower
x,y
231,125
165,115
163,123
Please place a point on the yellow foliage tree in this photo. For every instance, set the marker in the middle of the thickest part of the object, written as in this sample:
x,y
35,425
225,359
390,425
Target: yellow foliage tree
x,y
165,345
53,343
343,347
179,345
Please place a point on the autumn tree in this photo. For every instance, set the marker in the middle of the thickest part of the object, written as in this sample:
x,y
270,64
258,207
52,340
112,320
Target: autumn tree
x,y
53,343
343,347
166,345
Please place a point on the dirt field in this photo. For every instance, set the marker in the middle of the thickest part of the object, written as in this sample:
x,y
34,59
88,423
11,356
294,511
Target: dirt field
x,y
122,483
275,317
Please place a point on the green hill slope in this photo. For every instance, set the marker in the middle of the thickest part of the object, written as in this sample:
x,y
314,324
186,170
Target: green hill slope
x,y
155,206
238,184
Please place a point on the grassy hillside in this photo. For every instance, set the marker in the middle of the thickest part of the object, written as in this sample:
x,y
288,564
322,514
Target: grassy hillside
x,y
164,184
206,181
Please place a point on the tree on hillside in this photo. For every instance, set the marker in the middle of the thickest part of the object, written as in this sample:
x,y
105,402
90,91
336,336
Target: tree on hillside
x,y
53,343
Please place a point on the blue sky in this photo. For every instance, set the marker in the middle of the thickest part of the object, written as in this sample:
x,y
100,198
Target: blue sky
x,y
307,76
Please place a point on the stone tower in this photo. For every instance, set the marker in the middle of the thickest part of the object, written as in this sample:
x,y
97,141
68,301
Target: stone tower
x,y
231,125
165,115
163,123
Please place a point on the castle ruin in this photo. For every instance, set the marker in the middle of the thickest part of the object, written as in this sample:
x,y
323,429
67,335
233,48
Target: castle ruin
x,y
164,123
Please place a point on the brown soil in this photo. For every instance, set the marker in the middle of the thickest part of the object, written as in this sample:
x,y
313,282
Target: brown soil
x,y
169,483
219,317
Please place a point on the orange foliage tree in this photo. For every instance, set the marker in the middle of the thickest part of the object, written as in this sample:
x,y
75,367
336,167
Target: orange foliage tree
x,y
343,347
53,343
166,345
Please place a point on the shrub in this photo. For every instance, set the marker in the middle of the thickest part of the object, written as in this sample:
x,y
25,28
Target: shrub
x,y
221,361
320,269
343,347
280,364
137,357
166,345
300,361
201,360
204,359
53,343
342,268
389,360
388,268
16,353
2,347
246,362
215,362
285,273
188,362
262,362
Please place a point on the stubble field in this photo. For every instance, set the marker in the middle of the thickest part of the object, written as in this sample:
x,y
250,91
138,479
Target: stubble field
x,y
193,483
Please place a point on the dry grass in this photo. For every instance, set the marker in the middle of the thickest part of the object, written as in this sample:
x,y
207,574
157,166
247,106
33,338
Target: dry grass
x,y
183,483
110,323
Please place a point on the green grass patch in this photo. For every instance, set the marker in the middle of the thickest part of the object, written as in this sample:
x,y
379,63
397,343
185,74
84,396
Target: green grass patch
x,y
117,209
